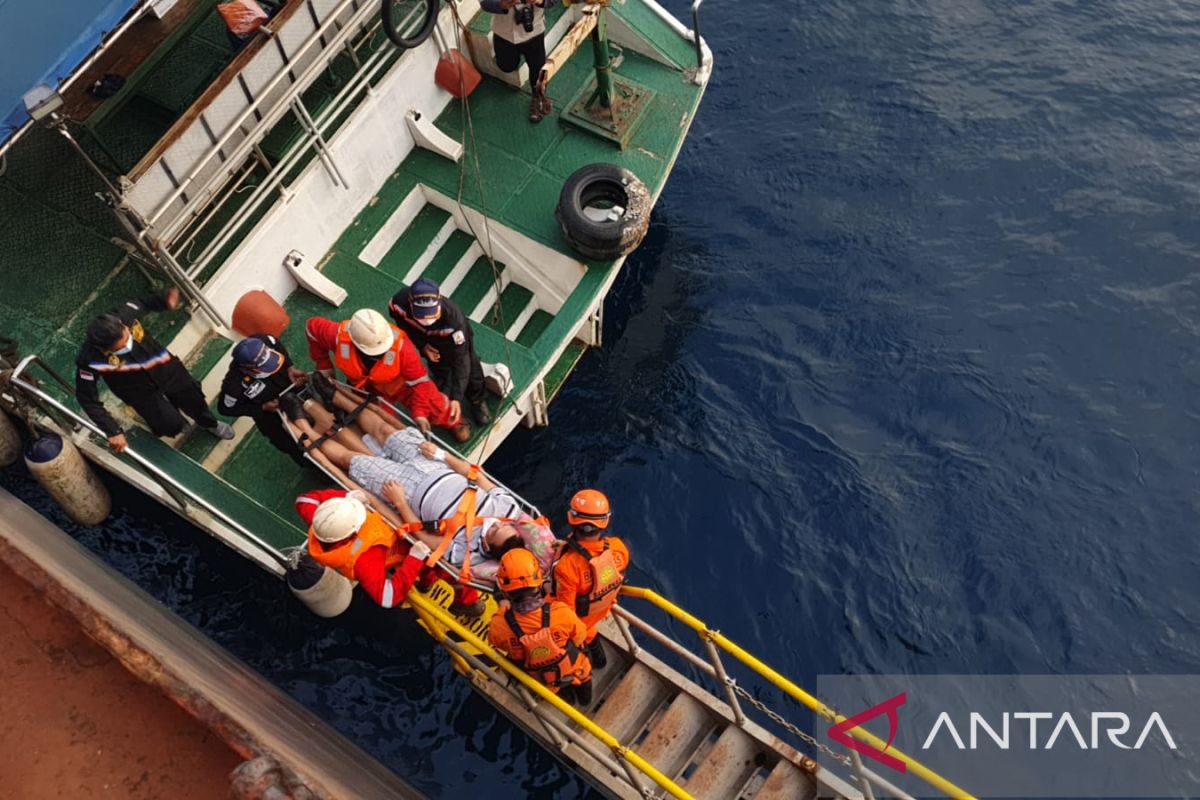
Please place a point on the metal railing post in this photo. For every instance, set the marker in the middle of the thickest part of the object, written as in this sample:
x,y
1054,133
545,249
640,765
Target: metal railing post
x,y
164,480
626,634
864,783
696,32
715,657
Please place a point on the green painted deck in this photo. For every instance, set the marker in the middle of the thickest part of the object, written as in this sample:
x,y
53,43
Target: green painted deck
x,y
522,168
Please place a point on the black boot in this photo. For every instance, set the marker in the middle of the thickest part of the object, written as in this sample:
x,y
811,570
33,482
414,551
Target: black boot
x,y
322,389
481,413
595,653
293,408
583,694
470,611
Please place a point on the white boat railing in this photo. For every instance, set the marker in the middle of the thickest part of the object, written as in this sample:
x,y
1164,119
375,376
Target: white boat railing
x,y
180,493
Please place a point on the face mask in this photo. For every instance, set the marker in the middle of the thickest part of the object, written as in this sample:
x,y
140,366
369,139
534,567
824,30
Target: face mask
x,y
425,322
260,375
124,350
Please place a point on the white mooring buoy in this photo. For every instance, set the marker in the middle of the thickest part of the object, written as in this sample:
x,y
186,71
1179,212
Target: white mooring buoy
x,y
62,471
323,591
10,441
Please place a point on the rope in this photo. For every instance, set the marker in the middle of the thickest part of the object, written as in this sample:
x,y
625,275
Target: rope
x,y
468,129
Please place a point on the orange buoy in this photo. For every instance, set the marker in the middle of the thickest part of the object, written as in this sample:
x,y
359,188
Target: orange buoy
x,y
258,312
456,74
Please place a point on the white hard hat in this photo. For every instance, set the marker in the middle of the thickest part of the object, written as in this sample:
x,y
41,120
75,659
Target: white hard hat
x,y
370,332
338,518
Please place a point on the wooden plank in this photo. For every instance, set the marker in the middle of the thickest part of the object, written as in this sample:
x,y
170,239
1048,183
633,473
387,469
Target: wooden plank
x,y
631,703
674,737
786,782
726,767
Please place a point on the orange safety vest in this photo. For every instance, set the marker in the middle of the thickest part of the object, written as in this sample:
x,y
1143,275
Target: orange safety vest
x,y
546,660
343,555
384,377
607,579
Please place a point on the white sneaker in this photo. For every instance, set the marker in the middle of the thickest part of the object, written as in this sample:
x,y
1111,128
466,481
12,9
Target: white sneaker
x,y
223,430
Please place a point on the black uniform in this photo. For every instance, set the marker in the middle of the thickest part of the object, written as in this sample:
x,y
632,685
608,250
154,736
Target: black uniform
x,y
458,372
243,395
148,377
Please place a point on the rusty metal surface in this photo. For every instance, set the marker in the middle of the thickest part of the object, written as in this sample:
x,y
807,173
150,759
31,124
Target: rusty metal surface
x,y
252,716
676,734
787,783
631,702
726,768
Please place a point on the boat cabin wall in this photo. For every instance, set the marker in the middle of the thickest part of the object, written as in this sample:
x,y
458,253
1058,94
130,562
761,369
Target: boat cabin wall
x,y
366,149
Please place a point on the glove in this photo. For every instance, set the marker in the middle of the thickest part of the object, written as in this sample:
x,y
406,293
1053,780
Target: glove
x,y
419,550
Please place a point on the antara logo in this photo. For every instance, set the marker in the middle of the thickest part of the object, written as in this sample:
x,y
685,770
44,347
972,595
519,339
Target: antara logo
x,y
840,732
1115,725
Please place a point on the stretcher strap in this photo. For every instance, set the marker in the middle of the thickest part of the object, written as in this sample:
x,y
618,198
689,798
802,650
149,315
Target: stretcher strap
x,y
469,502
451,525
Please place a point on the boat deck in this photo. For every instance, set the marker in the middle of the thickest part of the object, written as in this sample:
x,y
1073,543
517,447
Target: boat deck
x,y
522,168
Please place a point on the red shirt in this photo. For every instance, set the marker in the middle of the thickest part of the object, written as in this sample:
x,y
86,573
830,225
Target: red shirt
x,y
423,399
370,570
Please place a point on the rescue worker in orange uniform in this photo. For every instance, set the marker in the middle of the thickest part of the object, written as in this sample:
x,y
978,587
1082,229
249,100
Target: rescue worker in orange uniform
x,y
539,633
346,536
591,568
375,355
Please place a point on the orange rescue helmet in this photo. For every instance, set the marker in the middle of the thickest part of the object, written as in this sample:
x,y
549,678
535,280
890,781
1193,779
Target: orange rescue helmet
x,y
519,569
589,507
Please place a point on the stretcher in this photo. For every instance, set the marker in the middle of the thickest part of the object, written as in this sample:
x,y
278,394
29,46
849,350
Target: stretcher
x,y
532,525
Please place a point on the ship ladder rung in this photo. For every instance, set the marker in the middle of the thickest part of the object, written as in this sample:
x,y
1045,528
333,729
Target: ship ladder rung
x,y
631,702
725,768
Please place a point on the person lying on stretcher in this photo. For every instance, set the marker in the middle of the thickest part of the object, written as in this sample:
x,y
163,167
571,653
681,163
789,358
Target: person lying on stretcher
x,y
419,479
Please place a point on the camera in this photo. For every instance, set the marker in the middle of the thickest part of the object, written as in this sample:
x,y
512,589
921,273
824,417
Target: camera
x,y
523,15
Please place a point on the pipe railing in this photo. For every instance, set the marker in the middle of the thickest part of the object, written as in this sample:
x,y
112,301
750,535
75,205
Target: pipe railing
x,y
169,484
624,755
358,83
280,105
715,641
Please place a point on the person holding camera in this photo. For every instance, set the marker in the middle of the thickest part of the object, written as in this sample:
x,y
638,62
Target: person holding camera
x,y
519,29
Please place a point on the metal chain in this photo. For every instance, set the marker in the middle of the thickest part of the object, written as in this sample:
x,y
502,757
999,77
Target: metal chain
x,y
807,738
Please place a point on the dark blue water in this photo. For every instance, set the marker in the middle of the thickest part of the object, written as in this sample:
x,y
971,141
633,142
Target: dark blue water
x,y
903,378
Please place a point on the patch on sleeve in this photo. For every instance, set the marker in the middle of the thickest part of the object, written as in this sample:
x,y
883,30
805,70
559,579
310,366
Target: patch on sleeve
x,y
228,400
87,376
459,338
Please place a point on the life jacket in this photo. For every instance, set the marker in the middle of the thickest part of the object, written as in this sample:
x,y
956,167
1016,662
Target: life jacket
x,y
546,660
343,556
606,581
384,375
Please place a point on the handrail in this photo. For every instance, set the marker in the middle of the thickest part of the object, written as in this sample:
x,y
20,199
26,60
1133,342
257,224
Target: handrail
x,y
692,35
696,32
279,107
426,606
274,179
164,478
789,688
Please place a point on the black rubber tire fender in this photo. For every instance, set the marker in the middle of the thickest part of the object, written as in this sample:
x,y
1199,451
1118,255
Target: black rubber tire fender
x,y
388,18
620,233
